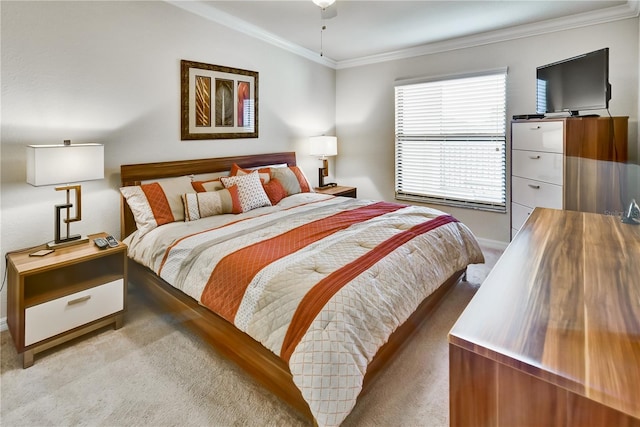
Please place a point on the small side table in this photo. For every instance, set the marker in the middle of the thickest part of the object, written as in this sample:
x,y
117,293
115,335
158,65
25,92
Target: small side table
x,y
339,190
63,295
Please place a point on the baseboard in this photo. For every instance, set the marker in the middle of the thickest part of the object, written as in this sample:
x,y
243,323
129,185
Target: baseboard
x,y
3,324
493,244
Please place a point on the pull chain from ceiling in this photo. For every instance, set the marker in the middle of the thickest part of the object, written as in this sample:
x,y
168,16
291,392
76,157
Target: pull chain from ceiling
x,y
324,27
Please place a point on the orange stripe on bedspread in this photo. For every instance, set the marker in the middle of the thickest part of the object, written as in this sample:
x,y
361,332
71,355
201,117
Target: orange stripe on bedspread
x,y
323,291
178,241
229,280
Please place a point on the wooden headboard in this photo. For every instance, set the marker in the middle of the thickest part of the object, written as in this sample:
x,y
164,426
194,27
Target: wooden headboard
x,y
134,174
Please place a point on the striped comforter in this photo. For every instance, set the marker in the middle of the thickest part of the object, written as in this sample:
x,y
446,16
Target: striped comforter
x,y
321,281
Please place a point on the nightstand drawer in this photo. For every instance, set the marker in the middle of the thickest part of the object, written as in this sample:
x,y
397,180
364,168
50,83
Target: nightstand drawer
x,y
53,317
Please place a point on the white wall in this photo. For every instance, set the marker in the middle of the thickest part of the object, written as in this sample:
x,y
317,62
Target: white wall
x,y
365,96
109,72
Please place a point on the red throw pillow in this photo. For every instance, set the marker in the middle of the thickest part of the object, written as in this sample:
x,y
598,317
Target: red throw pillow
x,y
210,185
275,191
264,173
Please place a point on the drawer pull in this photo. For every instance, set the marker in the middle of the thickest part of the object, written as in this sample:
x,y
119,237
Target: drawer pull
x,y
535,128
535,187
79,300
534,157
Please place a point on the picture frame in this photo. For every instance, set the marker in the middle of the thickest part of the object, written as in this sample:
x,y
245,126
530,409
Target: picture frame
x,y
217,102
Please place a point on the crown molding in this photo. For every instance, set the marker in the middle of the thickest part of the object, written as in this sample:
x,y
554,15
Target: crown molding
x,y
629,10
616,13
213,14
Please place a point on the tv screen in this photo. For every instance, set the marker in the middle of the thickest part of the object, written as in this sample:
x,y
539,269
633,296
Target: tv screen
x,y
575,84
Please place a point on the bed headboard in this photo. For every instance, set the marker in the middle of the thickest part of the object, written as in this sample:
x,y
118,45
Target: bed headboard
x,y
134,174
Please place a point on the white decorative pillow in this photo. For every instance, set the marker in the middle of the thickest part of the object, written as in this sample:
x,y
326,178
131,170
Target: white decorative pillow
x,y
202,205
250,190
157,203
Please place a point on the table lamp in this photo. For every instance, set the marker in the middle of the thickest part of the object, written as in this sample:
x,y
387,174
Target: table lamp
x,y
324,146
64,164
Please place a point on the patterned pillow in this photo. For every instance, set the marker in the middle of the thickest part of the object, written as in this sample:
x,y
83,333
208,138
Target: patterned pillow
x,y
202,205
210,185
250,190
264,172
275,191
157,203
292,179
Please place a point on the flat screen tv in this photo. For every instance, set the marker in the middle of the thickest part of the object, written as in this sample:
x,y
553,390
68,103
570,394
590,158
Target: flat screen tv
x,y
575,84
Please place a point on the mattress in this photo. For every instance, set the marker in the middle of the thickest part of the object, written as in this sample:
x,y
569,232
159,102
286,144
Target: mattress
x,y
321,281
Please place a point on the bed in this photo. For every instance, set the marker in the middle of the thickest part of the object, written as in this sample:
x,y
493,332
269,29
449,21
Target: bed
x,y
311,294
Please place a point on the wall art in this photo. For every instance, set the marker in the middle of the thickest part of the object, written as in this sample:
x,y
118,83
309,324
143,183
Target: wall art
x,y
218,102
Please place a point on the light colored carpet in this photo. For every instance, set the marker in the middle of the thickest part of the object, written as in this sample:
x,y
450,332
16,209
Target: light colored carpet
x,y
154,372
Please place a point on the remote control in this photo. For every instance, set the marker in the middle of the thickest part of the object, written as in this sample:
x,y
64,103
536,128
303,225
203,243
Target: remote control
x,y
112,241
101,243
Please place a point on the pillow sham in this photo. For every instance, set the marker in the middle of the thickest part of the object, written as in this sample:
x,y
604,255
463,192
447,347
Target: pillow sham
x,y
208,176
264,172
157,203
210,203
250,190
292,179
210,185
275,191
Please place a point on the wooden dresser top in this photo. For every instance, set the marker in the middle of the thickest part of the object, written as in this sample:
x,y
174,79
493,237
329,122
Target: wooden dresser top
x,y
563,304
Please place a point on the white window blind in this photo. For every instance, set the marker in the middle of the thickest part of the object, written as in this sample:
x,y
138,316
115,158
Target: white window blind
x,y
450,141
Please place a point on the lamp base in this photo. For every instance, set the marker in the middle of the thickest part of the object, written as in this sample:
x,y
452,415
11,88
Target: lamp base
x,y
70,241
328,185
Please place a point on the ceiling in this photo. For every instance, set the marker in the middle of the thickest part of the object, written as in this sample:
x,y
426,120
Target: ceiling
x,y
373,31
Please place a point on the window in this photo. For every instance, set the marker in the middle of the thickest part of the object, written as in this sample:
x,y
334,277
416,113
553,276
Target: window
x,y
450,141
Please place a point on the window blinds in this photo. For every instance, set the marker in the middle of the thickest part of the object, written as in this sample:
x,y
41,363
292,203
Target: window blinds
x,y
450,141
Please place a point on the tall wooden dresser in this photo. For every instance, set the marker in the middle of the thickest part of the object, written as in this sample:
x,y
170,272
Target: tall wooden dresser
x,y
569,163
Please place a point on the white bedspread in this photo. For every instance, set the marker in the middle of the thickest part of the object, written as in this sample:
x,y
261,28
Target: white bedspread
x,y
329,354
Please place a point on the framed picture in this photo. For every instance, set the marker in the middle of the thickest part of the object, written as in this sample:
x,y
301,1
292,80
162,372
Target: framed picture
x,y
217,102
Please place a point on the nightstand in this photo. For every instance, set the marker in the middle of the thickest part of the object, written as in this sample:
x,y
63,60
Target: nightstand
x,y
338,190
63,295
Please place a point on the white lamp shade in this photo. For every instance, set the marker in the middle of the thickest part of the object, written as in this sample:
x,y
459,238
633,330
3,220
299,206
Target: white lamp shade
x,y
324,3
324,146
64,164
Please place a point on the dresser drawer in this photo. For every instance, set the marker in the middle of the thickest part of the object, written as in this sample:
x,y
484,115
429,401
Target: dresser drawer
x,y
533,194
546,167
53,317
519,215
513,233
538,136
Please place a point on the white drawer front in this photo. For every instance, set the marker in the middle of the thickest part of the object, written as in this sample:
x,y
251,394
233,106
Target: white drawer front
x,y
538,136
547,167
519,215
513,233
532,193
60,315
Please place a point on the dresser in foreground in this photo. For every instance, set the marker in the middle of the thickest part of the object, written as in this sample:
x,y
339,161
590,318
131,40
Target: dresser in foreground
x,y
552,336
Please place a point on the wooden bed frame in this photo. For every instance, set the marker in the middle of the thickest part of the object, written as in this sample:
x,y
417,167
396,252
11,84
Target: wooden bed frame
x,y
263,365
